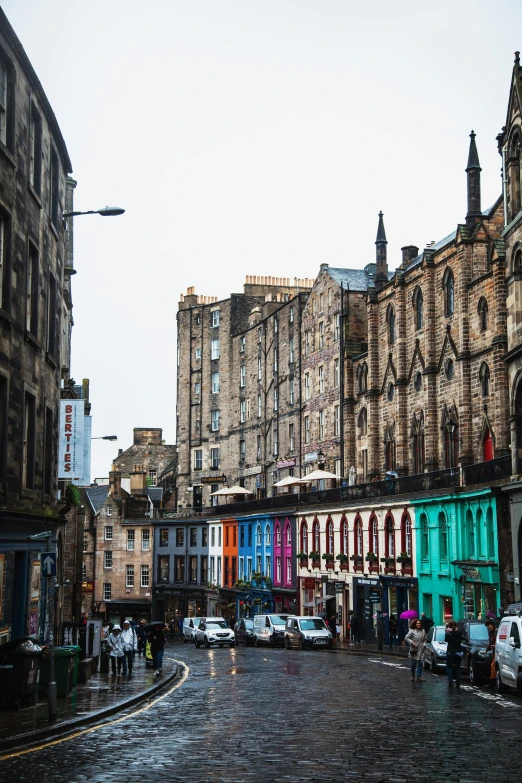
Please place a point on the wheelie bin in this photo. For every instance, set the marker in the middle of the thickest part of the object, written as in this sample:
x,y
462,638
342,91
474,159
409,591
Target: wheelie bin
x,y
63,671
19,671
77,650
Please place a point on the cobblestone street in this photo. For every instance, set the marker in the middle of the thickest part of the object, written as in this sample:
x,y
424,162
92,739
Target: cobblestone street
x,y
262,714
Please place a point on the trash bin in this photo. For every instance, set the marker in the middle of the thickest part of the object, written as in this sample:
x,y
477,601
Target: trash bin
x,y
104,657
64,659
19,670
77,650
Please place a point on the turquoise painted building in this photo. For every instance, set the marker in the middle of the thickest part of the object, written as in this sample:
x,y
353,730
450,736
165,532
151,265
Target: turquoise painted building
x,y
457,555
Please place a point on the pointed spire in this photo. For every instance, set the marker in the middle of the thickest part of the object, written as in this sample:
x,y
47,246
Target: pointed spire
x,y
381,272
381,234
517,59
473,170
473,158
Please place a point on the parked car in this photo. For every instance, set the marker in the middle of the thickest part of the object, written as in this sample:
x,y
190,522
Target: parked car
x,y
244,631
508,654
306,632
214,631
189,626
269,629
476,660
435,651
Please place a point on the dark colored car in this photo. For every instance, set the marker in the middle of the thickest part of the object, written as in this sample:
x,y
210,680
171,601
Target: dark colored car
x,y
435,651
476,659
244,630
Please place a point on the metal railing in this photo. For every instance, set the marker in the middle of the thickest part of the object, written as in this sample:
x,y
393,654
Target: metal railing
x,y
483,472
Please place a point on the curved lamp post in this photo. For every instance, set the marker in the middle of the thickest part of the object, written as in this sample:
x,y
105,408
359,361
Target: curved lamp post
x,y
105,437
104,212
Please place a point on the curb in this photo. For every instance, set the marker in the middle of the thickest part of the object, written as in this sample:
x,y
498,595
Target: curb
x,y
388,654
64,729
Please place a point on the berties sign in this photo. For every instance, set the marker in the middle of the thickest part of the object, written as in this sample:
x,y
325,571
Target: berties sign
x,y
70,443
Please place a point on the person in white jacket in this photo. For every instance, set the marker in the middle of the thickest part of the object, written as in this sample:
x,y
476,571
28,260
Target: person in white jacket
x,y
130,645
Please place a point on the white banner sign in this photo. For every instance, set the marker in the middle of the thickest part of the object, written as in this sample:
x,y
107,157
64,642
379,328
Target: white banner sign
x,y
71,437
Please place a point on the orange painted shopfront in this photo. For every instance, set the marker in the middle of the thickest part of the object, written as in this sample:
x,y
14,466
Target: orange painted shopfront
x,y
230,550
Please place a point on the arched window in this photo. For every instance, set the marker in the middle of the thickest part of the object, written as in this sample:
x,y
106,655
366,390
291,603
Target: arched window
x,y
406,534
329,536
389,448
470,532
316,536
362,378
362,423
517,261
267,535
304,536
490,534
448,284
258,535
389,536
483,314
418,307
450,433
484,379
278,534
480,533
344,535
390,320
425,537
374,535
443,537
417,443
288,534
513,165
358,536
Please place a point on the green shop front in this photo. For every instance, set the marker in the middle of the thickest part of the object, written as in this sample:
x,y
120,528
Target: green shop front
x,y
457,555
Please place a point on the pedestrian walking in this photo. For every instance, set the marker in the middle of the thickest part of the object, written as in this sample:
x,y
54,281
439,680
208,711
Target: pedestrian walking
x,y
156,640
393,626
129,643
454,653
115,646
141,635
492,633
172,629
354,625
426,622
416,638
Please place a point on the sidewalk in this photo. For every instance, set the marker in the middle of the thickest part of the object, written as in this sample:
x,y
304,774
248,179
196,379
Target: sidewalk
x,y
93,701
370,649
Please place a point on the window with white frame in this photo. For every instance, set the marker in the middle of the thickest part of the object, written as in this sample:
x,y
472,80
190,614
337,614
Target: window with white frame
x,y
242,450
278,569
145,540
321,335
214,421
313,305
276,359
307,385
258,447
307,343
291,351
307,428
218,570
321,379
145,576
336,376
198,459
153,478
288,535
85,542
84,572
214,459
259,368
260,334
131,535
292,392
288,569
337,467
242,344
336,420
321,425
242,411
197,354
276,443
258,564
321,303
108,509
268,566
291,314
214,348
129,576
242,375
215,318
107,559
276,397
215,383
259,406
108,533
268,535
249,569
197,388
291,438
337,327
107,591
212,569
258,535
241,568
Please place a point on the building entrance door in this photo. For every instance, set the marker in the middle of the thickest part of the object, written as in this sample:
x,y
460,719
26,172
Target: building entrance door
x,y
487,446
197,493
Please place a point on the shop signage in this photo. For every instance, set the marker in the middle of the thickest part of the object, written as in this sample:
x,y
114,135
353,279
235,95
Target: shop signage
x,y
253,471
375,596
213,479
372,582
311,457
398,582
309,582
472,574
285,463
339,586
88,586
71,437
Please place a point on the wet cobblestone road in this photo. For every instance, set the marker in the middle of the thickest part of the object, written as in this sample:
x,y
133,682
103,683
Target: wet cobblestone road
x,y
263,715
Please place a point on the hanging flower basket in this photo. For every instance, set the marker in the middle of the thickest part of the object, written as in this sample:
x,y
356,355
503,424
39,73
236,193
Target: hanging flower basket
x,y
342,558
371,557
356,558
328,556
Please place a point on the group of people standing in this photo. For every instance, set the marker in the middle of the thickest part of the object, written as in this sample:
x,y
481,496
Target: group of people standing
x,y
123,644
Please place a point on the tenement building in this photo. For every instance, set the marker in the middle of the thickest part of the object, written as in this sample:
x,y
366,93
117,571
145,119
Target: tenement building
x,y
35,306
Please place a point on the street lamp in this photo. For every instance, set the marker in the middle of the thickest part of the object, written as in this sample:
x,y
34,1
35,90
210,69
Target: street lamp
x,y
321,456
105,437
104,212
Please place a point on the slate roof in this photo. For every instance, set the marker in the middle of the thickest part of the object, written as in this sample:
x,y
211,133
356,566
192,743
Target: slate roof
x,y
155,494
97,496
354,279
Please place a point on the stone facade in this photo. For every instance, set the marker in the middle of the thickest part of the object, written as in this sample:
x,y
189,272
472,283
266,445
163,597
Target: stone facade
x,y
149,451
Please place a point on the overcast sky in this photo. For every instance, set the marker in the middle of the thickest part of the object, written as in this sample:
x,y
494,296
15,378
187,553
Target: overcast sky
x,y
252,138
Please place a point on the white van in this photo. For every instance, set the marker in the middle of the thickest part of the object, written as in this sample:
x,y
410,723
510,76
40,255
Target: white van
x,y
508,654
269,629
189,626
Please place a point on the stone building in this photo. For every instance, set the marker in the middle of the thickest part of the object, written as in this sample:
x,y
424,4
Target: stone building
x,y
35,321
148,450
431,392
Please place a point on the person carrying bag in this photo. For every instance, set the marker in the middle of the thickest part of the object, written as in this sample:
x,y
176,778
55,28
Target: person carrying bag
x,y
454,653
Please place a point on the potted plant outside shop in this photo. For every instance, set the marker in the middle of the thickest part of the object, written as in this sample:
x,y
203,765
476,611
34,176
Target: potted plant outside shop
x,y
302,557
371,557
314,555
388,560
404,558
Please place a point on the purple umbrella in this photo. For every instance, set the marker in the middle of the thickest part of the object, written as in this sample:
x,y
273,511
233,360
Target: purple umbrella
x,y
409,614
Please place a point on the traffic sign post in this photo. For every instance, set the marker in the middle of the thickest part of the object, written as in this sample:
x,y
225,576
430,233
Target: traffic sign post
x,y
48,563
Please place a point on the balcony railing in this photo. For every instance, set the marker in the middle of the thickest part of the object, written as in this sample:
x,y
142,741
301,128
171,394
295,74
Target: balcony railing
x,y
484,472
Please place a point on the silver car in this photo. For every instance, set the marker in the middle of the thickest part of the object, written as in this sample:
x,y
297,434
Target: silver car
x,y
435,650
307,632
212,632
